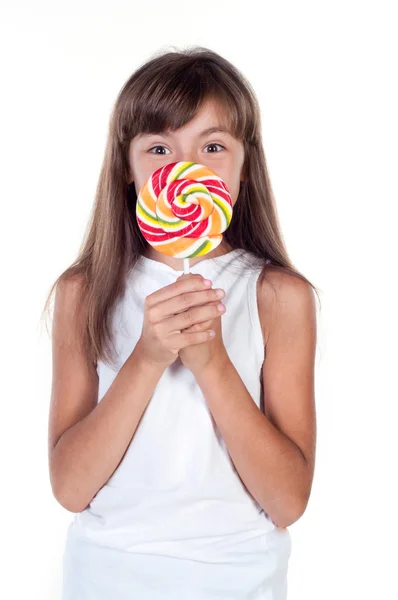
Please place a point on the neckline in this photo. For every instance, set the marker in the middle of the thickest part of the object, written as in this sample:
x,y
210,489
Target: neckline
x,y
161,265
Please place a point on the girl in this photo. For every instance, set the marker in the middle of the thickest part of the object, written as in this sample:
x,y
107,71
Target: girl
x,y
184,456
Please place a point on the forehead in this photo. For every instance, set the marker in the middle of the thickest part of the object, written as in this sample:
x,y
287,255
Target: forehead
x,y
200,133
209,118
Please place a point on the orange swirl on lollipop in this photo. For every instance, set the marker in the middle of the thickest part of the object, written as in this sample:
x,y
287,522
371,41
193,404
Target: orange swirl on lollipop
x,y
183,209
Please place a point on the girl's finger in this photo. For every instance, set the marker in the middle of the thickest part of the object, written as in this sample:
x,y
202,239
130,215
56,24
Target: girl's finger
x,y
199,326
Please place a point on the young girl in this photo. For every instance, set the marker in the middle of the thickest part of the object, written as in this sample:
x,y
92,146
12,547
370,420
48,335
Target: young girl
x,y
184,456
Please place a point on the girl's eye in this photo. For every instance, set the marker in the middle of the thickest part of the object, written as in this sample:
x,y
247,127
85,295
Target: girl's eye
x,y
214,144
154,148
211,144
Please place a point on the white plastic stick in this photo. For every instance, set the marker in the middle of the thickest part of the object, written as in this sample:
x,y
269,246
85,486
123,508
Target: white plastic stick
x,y
186,266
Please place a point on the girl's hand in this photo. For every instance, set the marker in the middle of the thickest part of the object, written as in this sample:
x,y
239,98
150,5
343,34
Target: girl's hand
x,y
197,356
166,316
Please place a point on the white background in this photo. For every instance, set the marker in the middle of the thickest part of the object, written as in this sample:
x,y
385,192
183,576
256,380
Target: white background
x,y
325,74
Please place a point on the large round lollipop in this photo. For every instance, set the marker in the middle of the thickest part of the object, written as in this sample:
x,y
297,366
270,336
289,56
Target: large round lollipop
x,y
183,209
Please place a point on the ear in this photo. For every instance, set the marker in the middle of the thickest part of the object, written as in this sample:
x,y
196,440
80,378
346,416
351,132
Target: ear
x,y
130,175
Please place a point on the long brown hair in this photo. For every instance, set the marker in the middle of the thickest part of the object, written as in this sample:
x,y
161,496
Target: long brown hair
x,y
165,93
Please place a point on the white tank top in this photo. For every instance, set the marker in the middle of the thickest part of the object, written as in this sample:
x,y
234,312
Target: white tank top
x,y
176,492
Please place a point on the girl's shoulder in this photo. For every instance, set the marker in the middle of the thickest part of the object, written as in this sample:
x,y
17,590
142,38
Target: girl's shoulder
x,y
278,293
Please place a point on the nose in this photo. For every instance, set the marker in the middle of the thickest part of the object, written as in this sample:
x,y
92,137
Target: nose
x,y
187,156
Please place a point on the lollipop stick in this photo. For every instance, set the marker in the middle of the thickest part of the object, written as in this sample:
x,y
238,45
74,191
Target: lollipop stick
x,y
186,266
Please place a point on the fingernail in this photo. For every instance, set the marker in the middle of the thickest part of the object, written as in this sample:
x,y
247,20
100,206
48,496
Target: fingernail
x,y
207,282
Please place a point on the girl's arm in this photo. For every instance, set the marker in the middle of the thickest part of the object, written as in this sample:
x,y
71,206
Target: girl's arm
x,y
273,451
86,439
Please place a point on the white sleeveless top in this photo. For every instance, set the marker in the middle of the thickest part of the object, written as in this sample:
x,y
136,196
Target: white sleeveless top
x,y
174,517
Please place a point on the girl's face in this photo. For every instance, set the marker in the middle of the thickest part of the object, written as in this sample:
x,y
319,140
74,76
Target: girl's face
x,y
218,150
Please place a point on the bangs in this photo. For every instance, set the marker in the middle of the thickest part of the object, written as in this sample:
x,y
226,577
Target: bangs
x,y
174,94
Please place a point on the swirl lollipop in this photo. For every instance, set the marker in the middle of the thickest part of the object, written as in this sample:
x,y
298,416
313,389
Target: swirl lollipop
x,y
183,209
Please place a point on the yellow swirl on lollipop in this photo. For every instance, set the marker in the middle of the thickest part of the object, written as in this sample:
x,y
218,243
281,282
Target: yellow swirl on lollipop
x,y
183,209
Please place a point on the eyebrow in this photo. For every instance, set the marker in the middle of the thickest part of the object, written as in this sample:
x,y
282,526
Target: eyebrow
x,y
213,130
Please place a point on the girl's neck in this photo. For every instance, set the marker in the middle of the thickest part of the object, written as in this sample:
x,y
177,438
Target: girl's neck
x,y
177,263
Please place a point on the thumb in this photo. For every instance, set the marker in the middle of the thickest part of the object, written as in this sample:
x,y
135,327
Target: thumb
x,y
188,275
